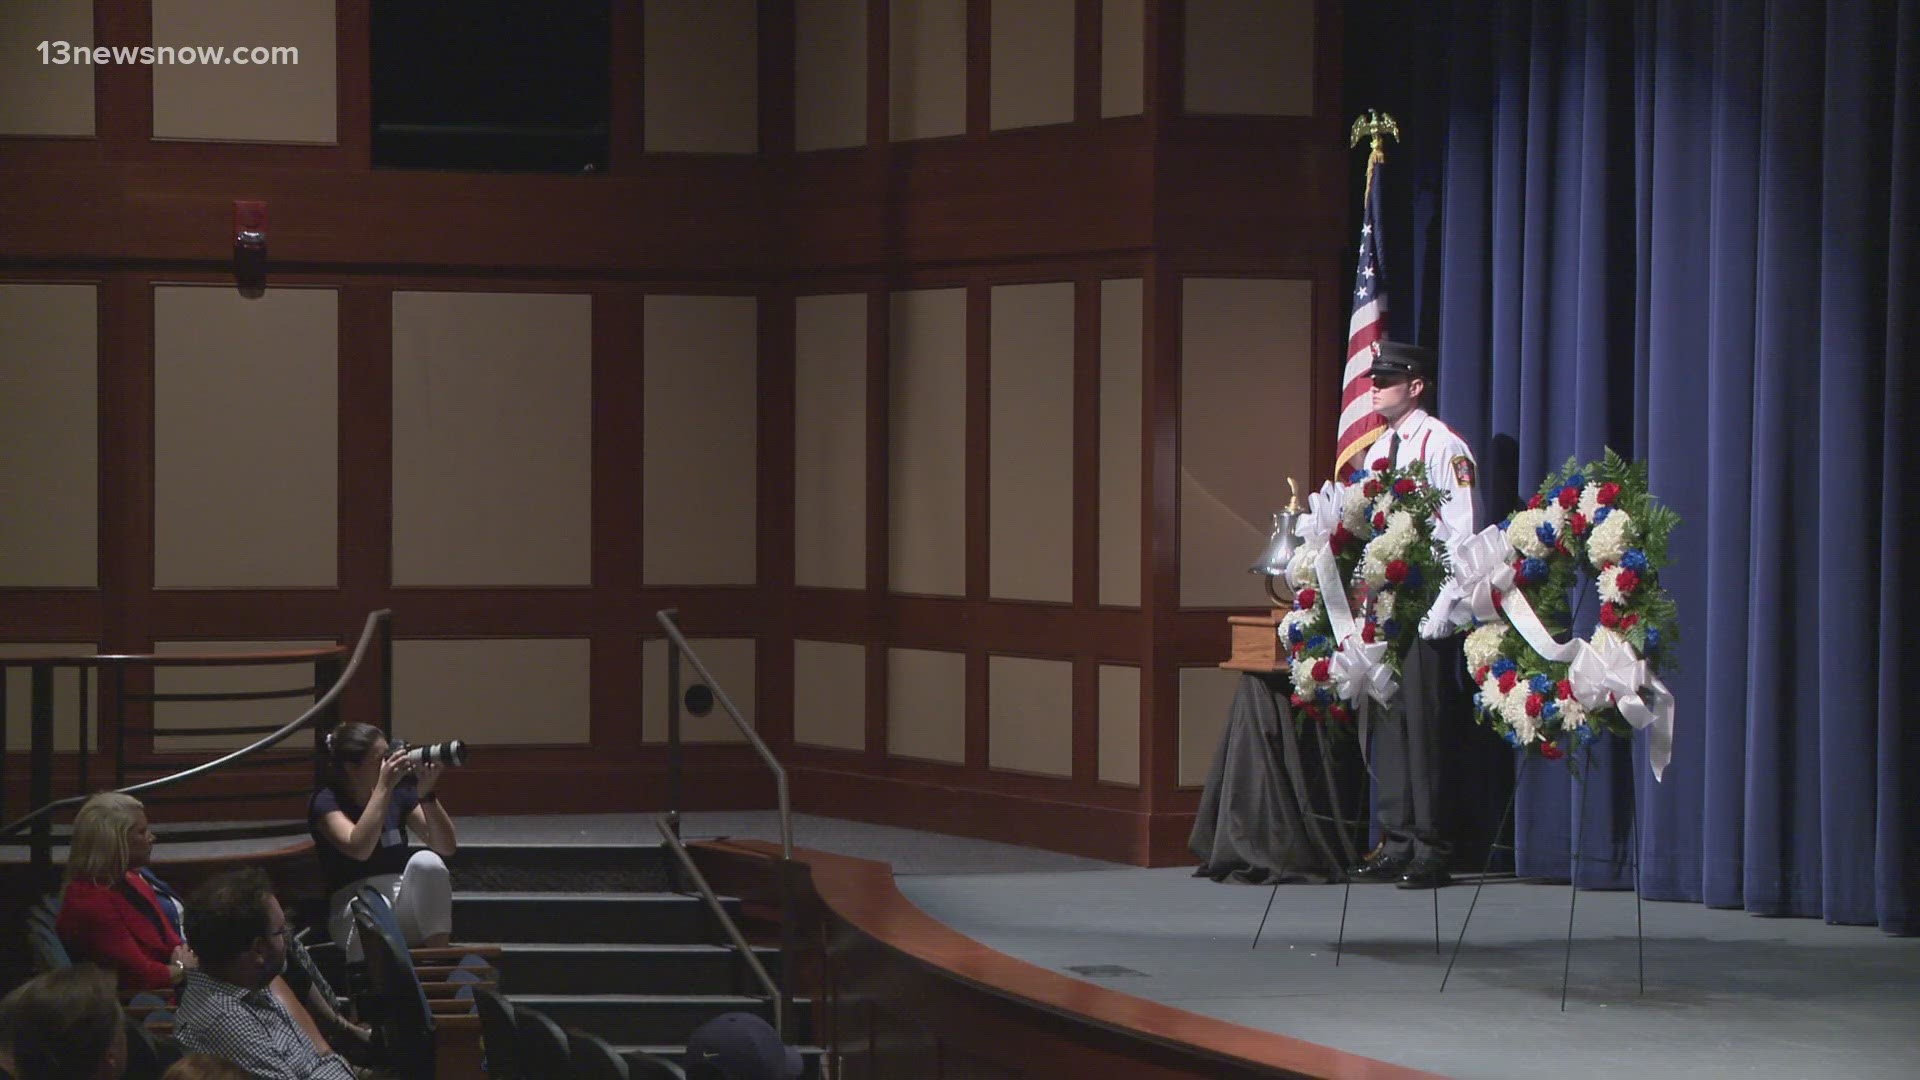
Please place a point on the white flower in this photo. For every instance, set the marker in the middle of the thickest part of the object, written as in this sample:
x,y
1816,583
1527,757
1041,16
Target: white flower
x,y
1372,570
1303,675
1513,709
1300,568
1357,512
1609,584
1483,645
1523,533
1589,501
1383,605
1383,503
1610,539
1572,713
1557,517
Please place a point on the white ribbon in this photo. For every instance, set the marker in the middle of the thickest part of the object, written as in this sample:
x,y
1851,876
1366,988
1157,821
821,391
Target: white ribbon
x,y
1480,569
1359,669
1322,516
1608,670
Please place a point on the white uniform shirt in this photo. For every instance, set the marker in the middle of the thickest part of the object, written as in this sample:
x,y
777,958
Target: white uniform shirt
x,y
1451,468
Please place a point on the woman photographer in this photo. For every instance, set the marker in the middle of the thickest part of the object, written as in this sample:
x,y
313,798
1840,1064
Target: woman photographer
x,y
359,823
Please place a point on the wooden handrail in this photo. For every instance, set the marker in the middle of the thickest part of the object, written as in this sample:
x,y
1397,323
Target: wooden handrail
x,y
279,656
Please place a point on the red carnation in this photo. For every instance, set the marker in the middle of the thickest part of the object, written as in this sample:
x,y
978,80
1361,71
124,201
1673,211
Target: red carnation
x,y
1627,581
1381,464
1305,598
1536,502
1397,571
1380,521
1577,523
1627,621
1298,701
1372,489
1551,751
1608,493
1564,688
1481,675
1609,615
1534,701
1507,681
1403,486
1367,633
1339,536
1520,571
1569,497
1299,647
1340,713
1321,669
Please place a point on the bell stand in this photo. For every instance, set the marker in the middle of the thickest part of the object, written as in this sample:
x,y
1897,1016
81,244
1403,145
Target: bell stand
x,y
1508,825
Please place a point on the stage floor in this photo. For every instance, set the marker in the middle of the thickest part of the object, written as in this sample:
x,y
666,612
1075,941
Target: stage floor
x,y
1727,994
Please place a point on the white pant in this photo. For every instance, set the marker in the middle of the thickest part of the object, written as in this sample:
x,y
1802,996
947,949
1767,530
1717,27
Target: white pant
x,y
421,895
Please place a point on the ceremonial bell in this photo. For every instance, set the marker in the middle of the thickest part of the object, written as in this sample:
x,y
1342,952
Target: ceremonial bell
x,y
1281,544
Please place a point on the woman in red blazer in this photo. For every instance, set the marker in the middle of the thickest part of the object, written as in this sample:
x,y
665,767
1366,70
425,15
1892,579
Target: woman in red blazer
x,y
114,911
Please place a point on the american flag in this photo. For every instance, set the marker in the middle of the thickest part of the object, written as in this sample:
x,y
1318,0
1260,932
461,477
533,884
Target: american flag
x,y
1359,424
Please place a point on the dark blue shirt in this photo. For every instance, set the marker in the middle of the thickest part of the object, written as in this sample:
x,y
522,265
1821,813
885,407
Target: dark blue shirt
x,y
389,853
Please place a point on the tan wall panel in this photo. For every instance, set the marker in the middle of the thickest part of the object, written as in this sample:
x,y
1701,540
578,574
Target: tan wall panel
x,y
732,661
830,694
1246,369
829,74
830,441
281,103
66,697
1123,59
1121,337
39,95
494,692
927,443
698,468
245,442
49,436
927,705
701,76
1031,54
1120,724
1030,457
206,714
1030,715
928,68
492,439
1206,695
1250,57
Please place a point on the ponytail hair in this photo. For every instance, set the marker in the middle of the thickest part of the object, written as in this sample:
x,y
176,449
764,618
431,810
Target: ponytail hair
x,y
347,746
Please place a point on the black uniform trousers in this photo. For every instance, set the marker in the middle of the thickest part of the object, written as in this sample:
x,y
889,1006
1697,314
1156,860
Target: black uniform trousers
x,y
1407,756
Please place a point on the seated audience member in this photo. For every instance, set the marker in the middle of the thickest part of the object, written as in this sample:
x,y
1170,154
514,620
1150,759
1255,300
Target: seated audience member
x,y
227,1009
359,822
205,1067
114,910
739,1046
63,1025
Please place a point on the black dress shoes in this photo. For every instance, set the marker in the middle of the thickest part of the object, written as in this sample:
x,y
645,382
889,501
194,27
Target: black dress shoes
x,y
1426,872
1381,867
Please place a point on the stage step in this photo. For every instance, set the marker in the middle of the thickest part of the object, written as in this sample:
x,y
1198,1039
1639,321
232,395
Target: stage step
x,y
632,968
564,867
576,918
810,1056
656,1019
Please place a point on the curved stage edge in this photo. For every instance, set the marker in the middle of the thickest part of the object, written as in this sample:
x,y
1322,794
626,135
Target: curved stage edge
x,y
896,993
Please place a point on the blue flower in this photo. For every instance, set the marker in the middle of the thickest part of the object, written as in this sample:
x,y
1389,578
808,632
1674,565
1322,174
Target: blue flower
x,y
1316,643
1513,739
1545,533
1635,560
1653,638
1550,710
1535,570
1540,684
1320,696
1358,476
1577,481
1600,515
1479,702
1502,666
1293,633
1503,526
1588,736
1392,627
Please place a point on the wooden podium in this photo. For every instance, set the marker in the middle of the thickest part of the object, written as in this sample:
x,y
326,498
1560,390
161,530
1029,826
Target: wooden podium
x,y
1256,643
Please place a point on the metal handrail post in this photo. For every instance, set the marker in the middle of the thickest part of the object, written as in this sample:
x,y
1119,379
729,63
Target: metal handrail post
x,y
739,940
40,785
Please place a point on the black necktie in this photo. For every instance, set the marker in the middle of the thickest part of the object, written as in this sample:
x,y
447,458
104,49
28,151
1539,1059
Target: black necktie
x,y
1393,451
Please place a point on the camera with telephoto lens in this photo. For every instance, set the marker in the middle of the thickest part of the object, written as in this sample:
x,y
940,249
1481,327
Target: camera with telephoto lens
x,y
450,753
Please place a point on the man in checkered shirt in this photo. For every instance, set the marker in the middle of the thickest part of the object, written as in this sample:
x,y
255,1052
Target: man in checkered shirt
x,y
227,1008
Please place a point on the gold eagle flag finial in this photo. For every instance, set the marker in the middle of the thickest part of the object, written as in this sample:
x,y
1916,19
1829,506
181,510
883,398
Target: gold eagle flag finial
x,y
1373,126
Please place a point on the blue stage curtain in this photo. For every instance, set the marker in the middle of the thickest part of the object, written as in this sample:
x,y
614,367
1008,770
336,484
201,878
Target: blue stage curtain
x,y
1687,230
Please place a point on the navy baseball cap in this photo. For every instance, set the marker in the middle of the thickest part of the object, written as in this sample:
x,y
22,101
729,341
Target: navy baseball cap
x,y
742,1046
1402,361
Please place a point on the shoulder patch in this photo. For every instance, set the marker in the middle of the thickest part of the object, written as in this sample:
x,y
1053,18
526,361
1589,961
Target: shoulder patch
x,y
1463,470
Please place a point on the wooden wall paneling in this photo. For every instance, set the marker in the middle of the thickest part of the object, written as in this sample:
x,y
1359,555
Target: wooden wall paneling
x,y
775,556
879,432
1086,474
1086,61
879,86
1160,597
979,436
1166,51
979,67
123,93
776,68
620,624
627,112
